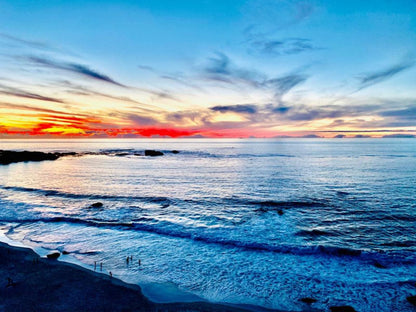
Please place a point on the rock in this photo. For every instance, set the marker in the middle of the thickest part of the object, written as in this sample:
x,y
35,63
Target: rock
x,y
379,265
152,153
348,252
280,212
65,252
8,157
53,255
308,300
412,300
97,205
342,309
175,152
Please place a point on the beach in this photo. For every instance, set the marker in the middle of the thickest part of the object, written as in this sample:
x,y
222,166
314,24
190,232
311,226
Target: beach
x,y
33,283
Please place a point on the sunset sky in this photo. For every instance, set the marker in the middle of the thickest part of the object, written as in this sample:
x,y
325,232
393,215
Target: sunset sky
x,y
226,68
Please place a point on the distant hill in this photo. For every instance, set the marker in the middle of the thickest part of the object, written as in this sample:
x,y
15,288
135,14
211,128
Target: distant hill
x,y
399,135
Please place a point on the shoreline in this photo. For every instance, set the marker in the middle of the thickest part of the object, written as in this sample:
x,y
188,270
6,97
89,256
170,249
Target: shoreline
x,y
30,282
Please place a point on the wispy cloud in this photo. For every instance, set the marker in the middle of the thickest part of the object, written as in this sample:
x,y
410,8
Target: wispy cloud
x,y
239,108
220,68
268,16
74,68
32,108
29,43
10,91
286,46
140,120
370,79
284,84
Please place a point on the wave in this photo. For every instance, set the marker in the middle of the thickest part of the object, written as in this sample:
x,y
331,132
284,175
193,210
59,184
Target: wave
x,y
201,154
55,193
166,228
259,206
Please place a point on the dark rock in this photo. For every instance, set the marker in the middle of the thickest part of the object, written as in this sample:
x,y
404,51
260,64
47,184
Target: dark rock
x,y
122,154
280,212
97,205
152,153
8,157
175,152
348,252
53,255
308,300
65,252
379,265
137,154
412,300
342,309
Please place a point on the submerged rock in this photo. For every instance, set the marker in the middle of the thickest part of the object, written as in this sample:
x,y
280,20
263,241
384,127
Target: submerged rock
x,y
175,152
152,153
65,252
97,205
342,309
348,252
53,255
308,300
412,300
379,265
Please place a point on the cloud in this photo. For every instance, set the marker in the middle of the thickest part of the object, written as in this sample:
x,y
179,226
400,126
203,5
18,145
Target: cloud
x,y
220,68
308,113
36,109
406,113
373,78
6,90
273,15
74,68
141,120
28,43
182,82
284,84
239,108
286,46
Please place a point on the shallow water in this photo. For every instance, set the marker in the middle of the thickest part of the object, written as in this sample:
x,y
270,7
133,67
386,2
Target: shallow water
x,y
263,222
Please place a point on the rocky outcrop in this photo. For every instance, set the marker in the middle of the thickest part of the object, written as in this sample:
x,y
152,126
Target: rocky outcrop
x,y
8,157
412,300
53,255
153,153
97,205
342,309
308,300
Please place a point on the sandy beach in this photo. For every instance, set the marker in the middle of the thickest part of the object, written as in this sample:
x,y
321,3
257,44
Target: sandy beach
x,y
31,283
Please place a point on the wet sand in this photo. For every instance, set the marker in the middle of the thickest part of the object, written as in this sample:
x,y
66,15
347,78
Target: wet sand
x,y
31,283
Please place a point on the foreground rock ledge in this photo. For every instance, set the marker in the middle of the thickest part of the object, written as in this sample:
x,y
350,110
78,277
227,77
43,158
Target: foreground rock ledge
x,y
31,283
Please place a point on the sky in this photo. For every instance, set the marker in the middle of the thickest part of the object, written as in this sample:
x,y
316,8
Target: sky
x,y
207,68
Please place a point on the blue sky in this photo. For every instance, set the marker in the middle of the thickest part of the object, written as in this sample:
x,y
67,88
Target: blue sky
x,y
212,68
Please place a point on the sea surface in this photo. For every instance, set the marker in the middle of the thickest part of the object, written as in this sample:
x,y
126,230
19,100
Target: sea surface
x,y
259,222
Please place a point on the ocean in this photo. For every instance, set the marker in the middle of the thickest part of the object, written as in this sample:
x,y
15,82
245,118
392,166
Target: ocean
x,y
247,221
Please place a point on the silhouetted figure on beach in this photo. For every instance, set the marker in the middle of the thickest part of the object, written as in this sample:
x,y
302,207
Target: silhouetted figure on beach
x,y
101,266
127,260
111,274
140,263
